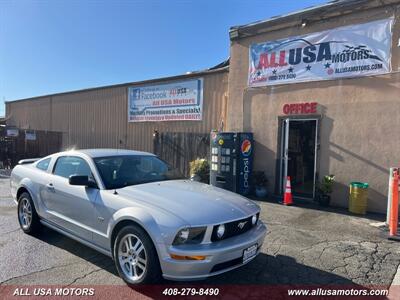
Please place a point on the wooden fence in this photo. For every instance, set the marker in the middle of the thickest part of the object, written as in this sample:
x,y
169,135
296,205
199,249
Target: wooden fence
x,y
176,148
180,148
13,149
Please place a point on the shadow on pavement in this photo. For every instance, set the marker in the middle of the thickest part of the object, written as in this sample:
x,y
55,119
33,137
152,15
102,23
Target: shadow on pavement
x,y
309,204
264,269
60,241
264,274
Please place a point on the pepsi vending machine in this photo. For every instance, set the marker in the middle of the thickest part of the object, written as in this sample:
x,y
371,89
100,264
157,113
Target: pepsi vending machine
x,y
232,161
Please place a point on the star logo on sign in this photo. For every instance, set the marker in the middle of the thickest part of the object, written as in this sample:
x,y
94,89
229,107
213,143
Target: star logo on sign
x,y
274,72
290,70
327,65
308,68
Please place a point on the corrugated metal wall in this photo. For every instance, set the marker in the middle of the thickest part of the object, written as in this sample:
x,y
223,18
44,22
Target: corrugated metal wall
x,y
98,117
91,119
30,114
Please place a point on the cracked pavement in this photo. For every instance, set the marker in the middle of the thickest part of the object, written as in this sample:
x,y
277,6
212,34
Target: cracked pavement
x,y
304,245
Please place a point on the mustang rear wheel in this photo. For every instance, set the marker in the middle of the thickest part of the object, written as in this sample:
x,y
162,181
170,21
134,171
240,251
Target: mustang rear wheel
x,y
136,257
27,216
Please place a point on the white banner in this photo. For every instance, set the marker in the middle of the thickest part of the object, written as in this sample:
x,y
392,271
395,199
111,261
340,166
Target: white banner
x,y
12,132
350,51
178,101
30,135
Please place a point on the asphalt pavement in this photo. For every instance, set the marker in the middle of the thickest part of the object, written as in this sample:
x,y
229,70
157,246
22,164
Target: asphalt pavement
x,y
304,245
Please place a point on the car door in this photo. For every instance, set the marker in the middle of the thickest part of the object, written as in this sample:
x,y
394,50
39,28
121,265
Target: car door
x,y
70,206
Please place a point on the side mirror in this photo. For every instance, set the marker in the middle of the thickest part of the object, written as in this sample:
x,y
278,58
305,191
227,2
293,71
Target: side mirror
x,y
82,180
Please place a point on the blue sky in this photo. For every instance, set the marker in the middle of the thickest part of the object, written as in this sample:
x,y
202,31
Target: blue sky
x,y
54,46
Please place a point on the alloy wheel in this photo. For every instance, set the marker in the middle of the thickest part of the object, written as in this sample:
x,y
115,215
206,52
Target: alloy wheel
x,y
25,213
132,257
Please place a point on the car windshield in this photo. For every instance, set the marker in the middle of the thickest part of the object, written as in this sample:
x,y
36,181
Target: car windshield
x,y
121,171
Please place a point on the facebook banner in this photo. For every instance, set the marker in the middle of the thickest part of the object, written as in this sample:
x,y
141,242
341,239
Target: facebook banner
x,y
178,101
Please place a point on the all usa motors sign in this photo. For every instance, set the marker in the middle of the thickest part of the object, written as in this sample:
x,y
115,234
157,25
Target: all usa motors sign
x,y
178,101
350,51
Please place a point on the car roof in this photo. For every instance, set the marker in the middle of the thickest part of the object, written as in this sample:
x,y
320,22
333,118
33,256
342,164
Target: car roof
x,y
100,152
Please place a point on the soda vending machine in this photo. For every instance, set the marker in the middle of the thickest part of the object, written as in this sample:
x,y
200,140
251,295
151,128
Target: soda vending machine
x,y
231,161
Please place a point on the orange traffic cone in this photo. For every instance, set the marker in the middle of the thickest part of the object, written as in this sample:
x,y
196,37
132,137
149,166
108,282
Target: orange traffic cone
x,y
287,198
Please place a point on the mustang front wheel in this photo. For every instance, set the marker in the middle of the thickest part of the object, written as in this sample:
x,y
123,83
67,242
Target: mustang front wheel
x,y
135,256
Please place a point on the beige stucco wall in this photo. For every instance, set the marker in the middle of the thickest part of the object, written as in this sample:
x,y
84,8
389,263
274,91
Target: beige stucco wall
x,y
360,117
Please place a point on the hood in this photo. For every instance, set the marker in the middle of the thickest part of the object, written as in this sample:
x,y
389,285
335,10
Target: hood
x,y
194,202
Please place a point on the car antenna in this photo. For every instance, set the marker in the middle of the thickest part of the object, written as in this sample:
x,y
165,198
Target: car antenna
x,y
115,192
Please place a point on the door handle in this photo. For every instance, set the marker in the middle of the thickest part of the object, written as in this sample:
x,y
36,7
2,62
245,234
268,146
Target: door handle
x,y
50,187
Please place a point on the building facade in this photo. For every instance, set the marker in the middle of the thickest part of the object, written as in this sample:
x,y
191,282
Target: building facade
x,y
319,89
311,127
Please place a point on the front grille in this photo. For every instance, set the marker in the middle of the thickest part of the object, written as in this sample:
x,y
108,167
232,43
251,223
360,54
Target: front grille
x,y
233,229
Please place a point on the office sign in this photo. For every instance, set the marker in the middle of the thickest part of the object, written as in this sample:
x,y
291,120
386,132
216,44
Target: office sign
x,y
300,108
178,101
350,51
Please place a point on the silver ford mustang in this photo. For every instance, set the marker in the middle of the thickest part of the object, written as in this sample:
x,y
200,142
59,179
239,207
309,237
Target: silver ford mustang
x,y
134,208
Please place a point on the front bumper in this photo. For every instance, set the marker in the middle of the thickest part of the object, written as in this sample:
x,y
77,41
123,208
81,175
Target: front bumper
x,y
222,256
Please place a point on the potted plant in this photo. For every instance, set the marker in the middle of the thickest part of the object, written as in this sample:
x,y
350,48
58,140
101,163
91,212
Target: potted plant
x,y
200,170
260,182
324,190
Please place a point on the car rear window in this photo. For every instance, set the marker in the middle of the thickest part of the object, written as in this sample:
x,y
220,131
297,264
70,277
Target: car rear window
x,y
43,164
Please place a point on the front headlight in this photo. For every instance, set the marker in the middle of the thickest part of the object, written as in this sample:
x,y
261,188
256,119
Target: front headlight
x,y
193,235
221,231
182,236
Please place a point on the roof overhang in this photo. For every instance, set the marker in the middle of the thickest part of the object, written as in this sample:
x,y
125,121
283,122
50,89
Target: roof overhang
x,y
222,67
309,15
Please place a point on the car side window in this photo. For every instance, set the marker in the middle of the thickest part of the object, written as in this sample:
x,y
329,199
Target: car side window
x,y
43,164
71,165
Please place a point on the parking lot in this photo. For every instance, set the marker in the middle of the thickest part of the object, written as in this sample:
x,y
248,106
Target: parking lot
x,y
304,245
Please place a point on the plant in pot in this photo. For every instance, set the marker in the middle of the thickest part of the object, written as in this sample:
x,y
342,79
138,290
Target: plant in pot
x,y
324,190
200,170
260,182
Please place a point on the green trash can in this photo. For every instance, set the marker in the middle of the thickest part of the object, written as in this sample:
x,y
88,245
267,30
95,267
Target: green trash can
x,y
358,198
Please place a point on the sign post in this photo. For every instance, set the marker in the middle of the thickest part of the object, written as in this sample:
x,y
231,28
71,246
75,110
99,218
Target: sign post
x,y
389,199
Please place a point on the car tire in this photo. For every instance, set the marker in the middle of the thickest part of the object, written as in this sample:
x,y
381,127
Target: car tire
x,y
28,218
136,257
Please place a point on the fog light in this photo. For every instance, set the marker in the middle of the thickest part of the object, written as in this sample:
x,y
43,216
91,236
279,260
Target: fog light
x,y
254,220
221,231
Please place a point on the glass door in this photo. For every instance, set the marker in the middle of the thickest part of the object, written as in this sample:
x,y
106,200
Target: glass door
x,y
299,149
